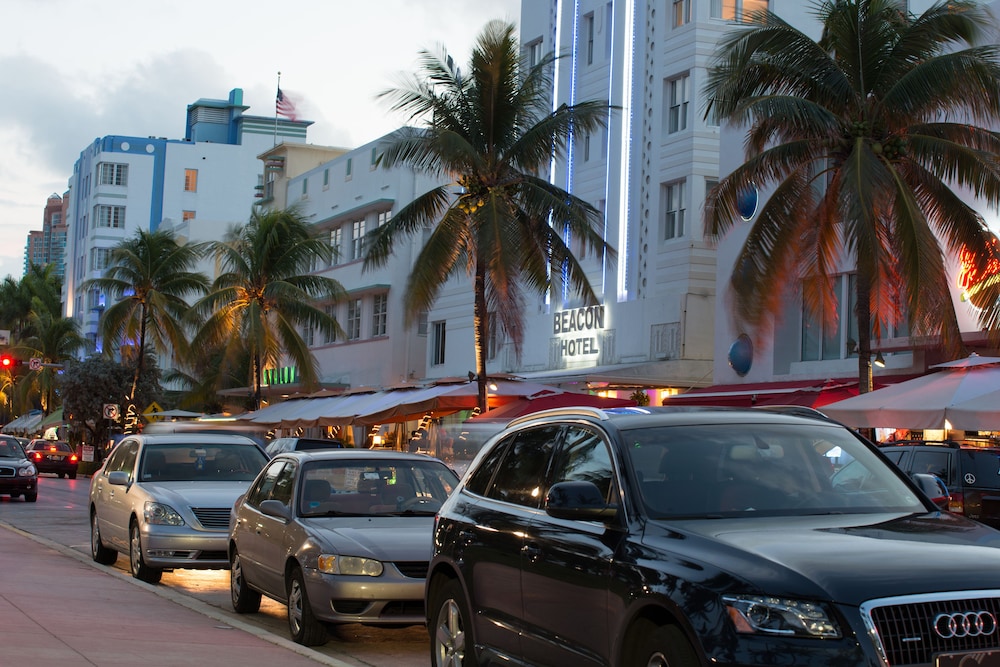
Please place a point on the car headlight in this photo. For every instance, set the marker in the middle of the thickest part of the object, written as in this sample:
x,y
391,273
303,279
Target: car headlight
x,y
27,471
162,515
754,614
350,565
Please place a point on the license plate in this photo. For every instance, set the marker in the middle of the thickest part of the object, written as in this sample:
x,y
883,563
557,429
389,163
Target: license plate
x,y
969,659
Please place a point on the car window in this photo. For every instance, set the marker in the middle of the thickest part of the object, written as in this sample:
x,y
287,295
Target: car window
x,y
197,461
262,488
982,465
284,485
522,473
376,486
9,449
584,457
728,469
480,478
931,461
123,458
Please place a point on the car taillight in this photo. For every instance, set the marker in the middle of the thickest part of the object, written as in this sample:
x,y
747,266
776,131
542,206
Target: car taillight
x,y
72,458
957,503
52,448
37,456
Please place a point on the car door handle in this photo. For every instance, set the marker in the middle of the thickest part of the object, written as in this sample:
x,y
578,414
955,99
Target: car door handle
x,y
532,552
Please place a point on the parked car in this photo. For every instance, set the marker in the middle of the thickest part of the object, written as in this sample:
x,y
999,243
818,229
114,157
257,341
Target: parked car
x,y
281,445
164,500
339,536
659,536
970,471
18,475
55,456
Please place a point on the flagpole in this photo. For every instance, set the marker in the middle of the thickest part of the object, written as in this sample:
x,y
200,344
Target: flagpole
x,y
276,110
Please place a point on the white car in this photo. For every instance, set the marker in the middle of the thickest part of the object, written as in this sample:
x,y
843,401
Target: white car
x,y
165,500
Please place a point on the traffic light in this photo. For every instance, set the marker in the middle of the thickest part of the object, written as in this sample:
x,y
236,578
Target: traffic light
x,y
7,361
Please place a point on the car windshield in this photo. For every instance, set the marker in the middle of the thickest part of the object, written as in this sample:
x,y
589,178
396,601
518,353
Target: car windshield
x,y
763,469
50,446
193,461
10,450
367,487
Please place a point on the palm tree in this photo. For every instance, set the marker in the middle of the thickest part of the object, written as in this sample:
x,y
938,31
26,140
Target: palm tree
x,y
266,292
58,339
492,131
149,279
862,135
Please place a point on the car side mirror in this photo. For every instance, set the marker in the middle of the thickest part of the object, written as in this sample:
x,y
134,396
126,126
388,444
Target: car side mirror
x,y
933,487
581,501
277,509
118,478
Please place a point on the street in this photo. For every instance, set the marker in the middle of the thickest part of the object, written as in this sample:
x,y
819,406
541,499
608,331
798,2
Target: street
x,y
60,515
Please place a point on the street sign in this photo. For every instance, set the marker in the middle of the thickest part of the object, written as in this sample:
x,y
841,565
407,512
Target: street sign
x,y
111,411
150,412
35,363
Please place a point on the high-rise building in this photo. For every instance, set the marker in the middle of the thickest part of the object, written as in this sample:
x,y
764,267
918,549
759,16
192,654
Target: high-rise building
x,y
48,245
203,183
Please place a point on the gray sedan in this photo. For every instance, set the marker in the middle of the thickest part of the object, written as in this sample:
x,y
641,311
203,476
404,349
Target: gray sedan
x,y
165,500
340,536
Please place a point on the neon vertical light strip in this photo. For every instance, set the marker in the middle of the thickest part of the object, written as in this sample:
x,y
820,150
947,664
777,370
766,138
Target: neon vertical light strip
x,y
570,143
607,166
624,194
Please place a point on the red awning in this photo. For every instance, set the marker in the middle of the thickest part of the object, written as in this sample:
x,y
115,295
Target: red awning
x,y
808,393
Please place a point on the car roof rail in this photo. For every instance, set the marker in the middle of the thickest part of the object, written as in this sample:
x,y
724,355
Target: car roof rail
x,y
578,411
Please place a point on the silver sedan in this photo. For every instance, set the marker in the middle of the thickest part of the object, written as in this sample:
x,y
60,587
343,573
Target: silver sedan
x,y
340,536
165,500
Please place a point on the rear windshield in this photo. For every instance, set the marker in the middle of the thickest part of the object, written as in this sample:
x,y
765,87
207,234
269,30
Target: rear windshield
x,y
984,467
319,444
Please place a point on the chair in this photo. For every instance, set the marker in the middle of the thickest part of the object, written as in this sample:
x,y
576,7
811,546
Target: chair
x,y
154,465
397,494
316,491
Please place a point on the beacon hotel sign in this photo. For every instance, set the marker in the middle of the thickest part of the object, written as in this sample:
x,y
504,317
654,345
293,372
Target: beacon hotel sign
x,y
577,331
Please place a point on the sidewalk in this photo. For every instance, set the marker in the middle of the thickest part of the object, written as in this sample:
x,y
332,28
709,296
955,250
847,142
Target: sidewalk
x,y
59,609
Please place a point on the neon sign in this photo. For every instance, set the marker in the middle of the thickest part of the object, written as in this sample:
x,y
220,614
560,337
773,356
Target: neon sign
x,y
575,321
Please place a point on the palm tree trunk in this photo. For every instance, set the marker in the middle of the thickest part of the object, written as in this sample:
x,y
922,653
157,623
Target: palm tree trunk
x,y
142,355
257,377
480,322
863,313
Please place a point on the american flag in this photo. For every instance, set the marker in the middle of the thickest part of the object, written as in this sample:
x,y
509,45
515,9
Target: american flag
x,y
284,106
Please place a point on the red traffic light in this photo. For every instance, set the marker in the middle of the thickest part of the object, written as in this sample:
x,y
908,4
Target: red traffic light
x,y
6,361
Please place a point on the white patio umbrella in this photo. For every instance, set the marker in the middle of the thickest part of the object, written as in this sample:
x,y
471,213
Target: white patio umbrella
x,y
952,394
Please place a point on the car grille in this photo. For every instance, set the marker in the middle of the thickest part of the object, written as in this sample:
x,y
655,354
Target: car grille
x,y
212,517
905,627
6,471
413,570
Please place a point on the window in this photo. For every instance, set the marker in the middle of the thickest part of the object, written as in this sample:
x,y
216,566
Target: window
x,y
380,307
110,216
336,241
383,218
353,319
492,347
375,157
534,52
438,343
736,10
357,239
309,336
305,187
673,210
677,105
99,258
190,180
330,336
109,173
682,12
520,478
326,178
187,215
584,457
586,148
347,169
588,35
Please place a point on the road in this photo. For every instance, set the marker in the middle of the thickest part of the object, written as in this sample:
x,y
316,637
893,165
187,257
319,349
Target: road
x,y
60,515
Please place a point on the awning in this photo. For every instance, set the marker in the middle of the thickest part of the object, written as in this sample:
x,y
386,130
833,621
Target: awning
x,y
54,419
809,393
26,424
546,401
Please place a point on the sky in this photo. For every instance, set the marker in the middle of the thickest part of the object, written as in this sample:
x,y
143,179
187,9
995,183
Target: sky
x,y
76,70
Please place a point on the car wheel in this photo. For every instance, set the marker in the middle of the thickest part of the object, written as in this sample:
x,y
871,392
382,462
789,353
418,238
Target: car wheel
x,y
137,565
30,496
245,599
452,642
662,646
305,629
62,475
72,475
100,553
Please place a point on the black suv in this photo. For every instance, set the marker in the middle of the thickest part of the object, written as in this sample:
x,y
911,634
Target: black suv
x,y
686,536
970,471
